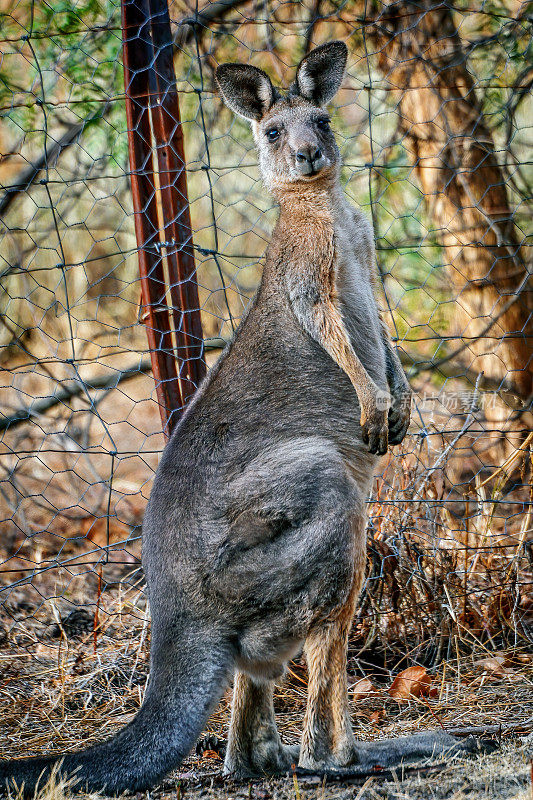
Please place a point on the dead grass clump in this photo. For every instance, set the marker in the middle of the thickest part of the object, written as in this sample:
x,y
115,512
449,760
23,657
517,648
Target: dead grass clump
x,y
450,565
55,787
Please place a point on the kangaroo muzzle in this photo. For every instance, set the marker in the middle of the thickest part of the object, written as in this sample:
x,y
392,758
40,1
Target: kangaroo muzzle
x,y
309,160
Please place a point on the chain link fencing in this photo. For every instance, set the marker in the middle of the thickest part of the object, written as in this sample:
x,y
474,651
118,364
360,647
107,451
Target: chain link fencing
x,y
434,124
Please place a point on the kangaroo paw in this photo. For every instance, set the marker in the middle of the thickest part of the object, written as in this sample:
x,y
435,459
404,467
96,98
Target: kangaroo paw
x,y
431,744
265,758
210,743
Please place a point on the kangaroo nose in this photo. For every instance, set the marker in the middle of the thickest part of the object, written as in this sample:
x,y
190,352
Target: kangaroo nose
x,y
309,154
309,160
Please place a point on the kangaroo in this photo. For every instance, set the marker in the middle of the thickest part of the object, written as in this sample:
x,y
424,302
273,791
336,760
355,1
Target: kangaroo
x,y
254,534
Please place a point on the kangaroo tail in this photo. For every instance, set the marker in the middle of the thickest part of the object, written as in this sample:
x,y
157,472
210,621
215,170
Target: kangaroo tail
x,y
188,676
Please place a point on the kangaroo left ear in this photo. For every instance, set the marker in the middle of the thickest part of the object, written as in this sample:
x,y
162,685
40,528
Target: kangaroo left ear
x,y
245,89
320,73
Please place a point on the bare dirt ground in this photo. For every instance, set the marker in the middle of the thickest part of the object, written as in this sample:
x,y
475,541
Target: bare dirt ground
x,y
65,690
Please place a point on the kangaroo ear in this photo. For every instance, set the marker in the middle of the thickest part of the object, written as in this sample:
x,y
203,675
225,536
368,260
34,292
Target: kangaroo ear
x,y
245,89
320,74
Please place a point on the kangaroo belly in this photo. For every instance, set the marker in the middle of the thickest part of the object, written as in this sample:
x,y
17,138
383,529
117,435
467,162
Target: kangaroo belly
x,y
292,532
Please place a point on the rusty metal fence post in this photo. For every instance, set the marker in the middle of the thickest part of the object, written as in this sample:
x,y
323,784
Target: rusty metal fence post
x,y
161,207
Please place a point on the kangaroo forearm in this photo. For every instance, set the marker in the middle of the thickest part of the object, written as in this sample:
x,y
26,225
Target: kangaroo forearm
x,y
396,379
395,374
400,408
324,323
398,384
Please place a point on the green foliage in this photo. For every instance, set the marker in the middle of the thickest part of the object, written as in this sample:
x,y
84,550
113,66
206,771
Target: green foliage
x,y
63,59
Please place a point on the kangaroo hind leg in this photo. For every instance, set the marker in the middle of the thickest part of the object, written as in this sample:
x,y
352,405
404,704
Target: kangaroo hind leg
x,y
254,745
328,741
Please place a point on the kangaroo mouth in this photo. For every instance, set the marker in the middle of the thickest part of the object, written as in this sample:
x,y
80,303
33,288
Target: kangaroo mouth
x,y
315,172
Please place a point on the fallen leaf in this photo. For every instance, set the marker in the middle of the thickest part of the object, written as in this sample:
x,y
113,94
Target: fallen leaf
x,y
210,754
261,793
494,665
377,716
102,530
47,651
363,688
411,682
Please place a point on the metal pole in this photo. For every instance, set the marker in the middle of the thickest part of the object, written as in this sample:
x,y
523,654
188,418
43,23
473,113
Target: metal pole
x,y
161,207
168,134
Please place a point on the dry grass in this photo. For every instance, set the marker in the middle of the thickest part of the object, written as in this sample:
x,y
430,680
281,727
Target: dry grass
x,y
61,694
504,775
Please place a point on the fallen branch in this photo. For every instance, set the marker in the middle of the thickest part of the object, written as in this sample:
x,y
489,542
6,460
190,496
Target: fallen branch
x,y
348,777
211,12
29,174
77,388
73,389
501,729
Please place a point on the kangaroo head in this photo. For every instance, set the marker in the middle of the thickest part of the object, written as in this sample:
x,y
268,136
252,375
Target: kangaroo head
x,y
291,129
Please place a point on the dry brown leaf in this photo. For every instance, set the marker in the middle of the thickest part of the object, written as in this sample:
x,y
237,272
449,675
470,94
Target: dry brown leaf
x,y
48,650
211,754
363,688
98,530
377,716
434,691
411,682
494,665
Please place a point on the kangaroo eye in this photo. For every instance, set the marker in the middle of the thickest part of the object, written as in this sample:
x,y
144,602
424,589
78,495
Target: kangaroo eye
x,y
272,134
323,124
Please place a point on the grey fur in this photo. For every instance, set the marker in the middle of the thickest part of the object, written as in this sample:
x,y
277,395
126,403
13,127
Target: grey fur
x,y
320,73
254,535
247,90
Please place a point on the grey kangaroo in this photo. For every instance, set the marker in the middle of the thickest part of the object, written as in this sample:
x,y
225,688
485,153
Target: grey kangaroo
x,y
254,535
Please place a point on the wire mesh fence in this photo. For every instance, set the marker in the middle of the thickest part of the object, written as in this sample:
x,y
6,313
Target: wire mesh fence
x,y
434,124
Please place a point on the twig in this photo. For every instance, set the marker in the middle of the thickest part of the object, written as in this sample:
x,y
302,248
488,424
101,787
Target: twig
x,y
30,173
468,421
491,730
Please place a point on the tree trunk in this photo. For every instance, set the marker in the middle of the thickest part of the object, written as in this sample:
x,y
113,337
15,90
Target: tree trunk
x,y
452,149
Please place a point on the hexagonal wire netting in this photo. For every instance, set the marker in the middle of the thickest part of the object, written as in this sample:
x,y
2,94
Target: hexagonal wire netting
x,y
434,124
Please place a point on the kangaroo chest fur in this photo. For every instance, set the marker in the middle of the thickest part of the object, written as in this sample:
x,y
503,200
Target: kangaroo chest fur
x,y
331,242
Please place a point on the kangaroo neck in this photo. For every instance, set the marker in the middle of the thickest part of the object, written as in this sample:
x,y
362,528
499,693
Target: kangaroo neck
x,y
304,235
306,216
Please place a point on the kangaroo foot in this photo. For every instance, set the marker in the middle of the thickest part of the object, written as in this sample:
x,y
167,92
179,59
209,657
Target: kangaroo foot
x,y
254,746
431,744
391,752
316,760
267,757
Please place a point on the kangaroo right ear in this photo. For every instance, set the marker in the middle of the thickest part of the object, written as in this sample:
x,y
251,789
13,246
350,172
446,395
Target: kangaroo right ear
x,y
320,73
245,89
